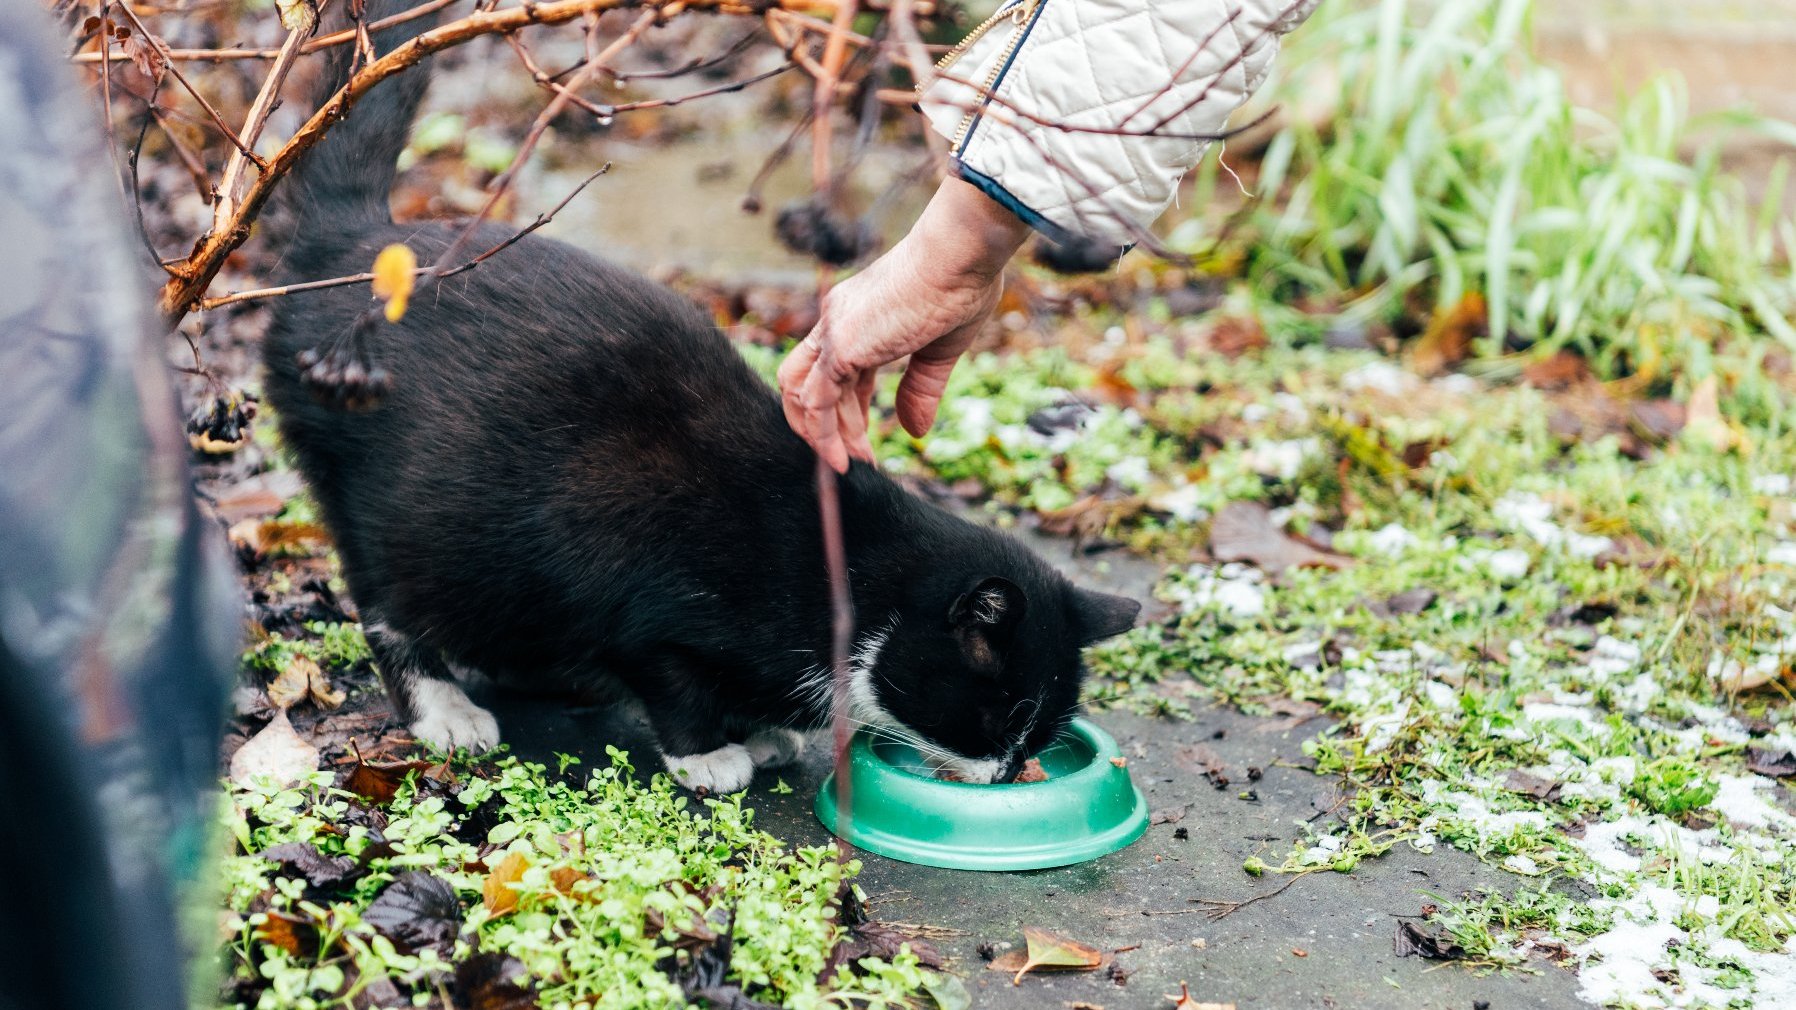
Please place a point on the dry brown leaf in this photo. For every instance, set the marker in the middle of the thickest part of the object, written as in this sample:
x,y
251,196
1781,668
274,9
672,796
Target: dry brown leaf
x,y
289,687
379,782
1182,1000
1244,531
1049,952
498,894
318,685
1703,422
1560,371
277,752
1448,339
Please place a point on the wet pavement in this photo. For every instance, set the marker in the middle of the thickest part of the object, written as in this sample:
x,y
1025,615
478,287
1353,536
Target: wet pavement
x,y
1325,941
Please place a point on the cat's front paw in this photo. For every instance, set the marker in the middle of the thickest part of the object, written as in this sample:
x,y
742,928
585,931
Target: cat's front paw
x,y
775,746
724,770
448,719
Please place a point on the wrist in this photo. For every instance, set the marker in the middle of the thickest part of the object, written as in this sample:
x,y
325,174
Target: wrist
x,y
965,236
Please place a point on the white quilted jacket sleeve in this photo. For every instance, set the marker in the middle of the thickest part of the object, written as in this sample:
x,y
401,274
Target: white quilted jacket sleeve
x,y
1082,115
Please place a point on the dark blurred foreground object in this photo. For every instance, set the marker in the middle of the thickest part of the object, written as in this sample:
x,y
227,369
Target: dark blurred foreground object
x,y
116,621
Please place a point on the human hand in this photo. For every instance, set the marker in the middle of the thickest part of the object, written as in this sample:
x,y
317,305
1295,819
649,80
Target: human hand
x,y
926,297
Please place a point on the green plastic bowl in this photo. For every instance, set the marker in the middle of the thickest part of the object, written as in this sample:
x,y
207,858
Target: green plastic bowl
x,y
1088,807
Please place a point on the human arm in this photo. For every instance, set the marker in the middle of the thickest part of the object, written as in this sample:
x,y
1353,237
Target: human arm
x,y
1038,139
926,297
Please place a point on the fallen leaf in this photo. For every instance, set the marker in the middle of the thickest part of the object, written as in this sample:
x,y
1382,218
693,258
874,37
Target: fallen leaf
x,y
305,862
1182,1001
1448,339
1540,788
1234,336
291,685
318,685
1657,421
498,892
417,910
277,753
295,935
1169,815
1413,940
1736,677
1779,764
379,782
1049,952
493,981
1703,422
1411,601
394,274
1556,372
1244,531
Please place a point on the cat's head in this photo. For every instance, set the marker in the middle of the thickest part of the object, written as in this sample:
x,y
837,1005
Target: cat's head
x,y
980,673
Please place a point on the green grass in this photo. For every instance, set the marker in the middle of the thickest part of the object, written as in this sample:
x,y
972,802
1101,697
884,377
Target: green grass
x,y
1583,604
1452,164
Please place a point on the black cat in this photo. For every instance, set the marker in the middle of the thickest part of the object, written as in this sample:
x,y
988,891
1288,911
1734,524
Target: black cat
x,y
574,478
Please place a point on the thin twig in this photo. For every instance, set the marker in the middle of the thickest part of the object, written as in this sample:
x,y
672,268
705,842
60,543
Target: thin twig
x,y
162,50
253,122
336,282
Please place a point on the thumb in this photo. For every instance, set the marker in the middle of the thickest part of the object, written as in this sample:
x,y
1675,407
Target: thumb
x,y
920,392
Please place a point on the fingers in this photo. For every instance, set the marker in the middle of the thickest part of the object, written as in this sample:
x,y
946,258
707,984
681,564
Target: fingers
x,y
792,373
920,392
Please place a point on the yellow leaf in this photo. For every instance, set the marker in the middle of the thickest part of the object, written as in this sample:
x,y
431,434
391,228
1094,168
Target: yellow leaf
x,y
1704,424
1053,952
318,683
290,686
395,271
500,896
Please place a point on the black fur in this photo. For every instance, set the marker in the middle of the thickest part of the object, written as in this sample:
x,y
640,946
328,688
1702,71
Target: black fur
x,y
574,476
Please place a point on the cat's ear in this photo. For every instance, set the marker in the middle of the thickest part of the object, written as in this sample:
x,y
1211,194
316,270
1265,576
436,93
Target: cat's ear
x,y
1100,615
984,619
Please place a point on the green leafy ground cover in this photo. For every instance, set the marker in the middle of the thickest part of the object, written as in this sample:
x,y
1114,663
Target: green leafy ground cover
x,y
1553,627
507,885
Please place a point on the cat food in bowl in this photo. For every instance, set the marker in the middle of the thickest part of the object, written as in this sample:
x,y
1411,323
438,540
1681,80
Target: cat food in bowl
x,y
1082,806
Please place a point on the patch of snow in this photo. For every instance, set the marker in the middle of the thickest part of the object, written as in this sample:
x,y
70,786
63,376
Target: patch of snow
x,y
1131,472
1509,564
1741,799
1618,965
1519,863
1233,589
1378,375
1532,515
1182,503
1611,656
1280,459
1391,540
1441,696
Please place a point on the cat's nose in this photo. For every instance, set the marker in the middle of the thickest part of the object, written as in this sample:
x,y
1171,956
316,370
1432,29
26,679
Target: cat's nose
x,y
1013,766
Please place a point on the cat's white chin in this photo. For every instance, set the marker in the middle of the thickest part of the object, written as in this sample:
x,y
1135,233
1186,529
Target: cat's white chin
x,y
727,769
446,718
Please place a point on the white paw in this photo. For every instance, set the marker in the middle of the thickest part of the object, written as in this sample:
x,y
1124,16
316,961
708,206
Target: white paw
x,y
447,719
775,746
724,770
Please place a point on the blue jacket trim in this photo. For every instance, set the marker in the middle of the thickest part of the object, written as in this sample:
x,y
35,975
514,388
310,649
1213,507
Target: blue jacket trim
x,y
1006,199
